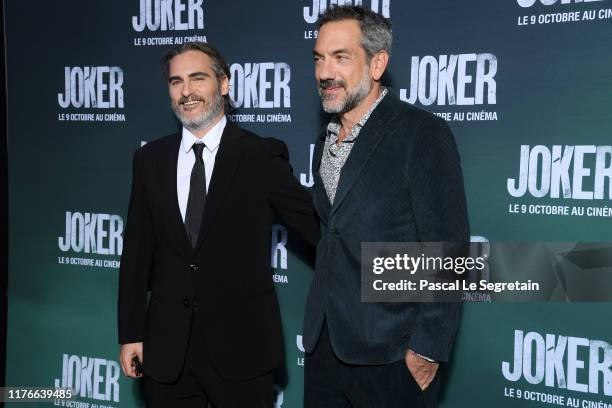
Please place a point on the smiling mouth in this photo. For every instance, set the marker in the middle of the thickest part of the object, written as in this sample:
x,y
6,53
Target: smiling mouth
x,y
330,87
331,92
190,104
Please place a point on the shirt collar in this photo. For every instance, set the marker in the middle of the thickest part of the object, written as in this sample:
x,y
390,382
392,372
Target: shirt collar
x,y
333,128
210,139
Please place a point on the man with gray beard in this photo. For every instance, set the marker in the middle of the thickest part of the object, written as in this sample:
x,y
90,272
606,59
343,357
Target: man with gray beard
x,y
385,171
195,277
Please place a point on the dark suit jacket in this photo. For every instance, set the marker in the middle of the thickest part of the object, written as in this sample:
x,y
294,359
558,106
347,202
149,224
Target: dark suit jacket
x,y
228,276
402,182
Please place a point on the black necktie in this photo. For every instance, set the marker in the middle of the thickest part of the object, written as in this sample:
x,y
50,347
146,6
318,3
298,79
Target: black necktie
x,y
197,196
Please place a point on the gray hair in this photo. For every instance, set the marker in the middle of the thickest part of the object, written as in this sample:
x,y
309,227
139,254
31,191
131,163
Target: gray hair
x,y
376,33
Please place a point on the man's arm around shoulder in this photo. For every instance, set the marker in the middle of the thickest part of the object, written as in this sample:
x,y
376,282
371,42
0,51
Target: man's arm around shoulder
x,y
287,196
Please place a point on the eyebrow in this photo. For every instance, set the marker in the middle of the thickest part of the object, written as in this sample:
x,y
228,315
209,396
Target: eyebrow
x,y
192,75
199,73
335,52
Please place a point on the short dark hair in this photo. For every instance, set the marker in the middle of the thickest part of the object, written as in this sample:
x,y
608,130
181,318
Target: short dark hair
x,y
375,29
219,66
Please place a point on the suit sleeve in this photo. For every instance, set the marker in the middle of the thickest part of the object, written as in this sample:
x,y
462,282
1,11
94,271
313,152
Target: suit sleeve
x,y
136,261
440,211
289,199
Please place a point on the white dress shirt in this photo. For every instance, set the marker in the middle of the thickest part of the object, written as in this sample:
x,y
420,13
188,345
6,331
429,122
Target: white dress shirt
x,y
186,160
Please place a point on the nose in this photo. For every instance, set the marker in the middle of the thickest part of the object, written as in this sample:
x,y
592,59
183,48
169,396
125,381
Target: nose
x,y
186,90
324,69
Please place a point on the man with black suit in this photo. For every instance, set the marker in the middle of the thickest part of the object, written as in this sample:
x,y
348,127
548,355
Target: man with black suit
x,y
385,171
198,239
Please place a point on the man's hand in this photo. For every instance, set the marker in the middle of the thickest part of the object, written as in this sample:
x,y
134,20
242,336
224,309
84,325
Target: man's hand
x,y
127,353
422,370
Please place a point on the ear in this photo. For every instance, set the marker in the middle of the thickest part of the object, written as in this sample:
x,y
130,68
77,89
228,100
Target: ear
x,y
378,64
224,85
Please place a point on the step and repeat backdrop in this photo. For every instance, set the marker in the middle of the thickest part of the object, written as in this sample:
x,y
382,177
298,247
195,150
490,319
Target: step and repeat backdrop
x,y
526,86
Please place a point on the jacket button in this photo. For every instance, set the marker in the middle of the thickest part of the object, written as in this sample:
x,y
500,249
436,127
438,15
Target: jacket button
x,y
194,267
186,302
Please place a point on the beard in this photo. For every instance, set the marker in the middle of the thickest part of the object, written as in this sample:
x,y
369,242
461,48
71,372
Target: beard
x,y
212,109
337,104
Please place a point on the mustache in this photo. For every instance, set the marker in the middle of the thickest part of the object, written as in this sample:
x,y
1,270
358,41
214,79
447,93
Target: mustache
x,y
330,83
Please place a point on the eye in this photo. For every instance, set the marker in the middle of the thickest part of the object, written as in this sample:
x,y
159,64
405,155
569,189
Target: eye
x,y
316,60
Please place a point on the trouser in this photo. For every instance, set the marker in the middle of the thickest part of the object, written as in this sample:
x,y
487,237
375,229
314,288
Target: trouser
x,y
199,385
331,383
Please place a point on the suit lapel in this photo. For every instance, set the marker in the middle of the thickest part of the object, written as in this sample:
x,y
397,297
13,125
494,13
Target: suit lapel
x,y
318,152
321,201
375,128
169,174
226,164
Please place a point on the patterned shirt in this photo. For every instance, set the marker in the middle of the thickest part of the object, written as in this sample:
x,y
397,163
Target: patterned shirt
x,y
335,155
